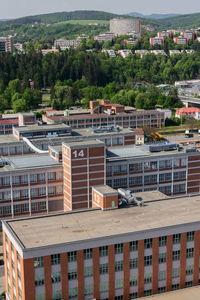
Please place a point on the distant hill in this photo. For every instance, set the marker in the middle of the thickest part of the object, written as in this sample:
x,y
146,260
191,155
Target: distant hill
x,y
57,17
182,21
152,16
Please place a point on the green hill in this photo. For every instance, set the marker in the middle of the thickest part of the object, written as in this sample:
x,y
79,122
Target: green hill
x,y
183,21
63,16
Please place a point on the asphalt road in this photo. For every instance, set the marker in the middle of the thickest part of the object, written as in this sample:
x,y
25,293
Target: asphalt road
x,y
181,137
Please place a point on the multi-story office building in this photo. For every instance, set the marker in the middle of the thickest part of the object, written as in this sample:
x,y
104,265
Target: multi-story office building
x,y
30,185
105,113
169,169
123,26
115,254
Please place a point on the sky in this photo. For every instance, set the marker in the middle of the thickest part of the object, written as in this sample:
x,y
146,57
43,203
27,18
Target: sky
x,y
20,8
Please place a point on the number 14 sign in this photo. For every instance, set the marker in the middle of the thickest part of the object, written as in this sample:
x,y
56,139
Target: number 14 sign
x,y
79,153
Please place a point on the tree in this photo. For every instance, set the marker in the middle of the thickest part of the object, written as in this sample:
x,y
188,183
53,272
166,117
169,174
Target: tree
x,y
20,105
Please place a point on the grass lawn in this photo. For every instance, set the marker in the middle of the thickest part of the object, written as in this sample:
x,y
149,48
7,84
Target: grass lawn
x,y
83,22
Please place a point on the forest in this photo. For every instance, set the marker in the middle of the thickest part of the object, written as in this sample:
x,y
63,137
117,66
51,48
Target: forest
x,y
75,76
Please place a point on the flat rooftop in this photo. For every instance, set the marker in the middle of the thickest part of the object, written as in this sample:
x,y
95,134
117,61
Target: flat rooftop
x,y
139,151
36,127
185,294
105,189
30,161
96,224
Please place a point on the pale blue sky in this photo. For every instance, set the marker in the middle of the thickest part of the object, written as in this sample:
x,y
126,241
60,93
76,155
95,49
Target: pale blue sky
x,y
18,8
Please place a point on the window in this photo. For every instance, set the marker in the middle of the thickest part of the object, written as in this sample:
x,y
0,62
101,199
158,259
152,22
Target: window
x,y
72,275
104,268
176,238
175,287
176,255
135,167
39,280
72,256
150,165
55,259
136,180
120,182
148,179
73,292
148,260
38,262
57,295
147,293
161,290
133,263
133,246
119,283
190,236
189,284
87,253
161,275
190,252
55,277
133,281
41,177
148,243
162,241
33,178
179,175
51,176
104,251
118,248
165,177
162,258
104,286
189,270
88,289
88,271
118,266
133,295
175,273
147,278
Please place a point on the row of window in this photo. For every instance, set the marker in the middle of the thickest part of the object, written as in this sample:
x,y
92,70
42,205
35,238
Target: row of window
x,y
23,179
22,208
148,166
55,258
34,192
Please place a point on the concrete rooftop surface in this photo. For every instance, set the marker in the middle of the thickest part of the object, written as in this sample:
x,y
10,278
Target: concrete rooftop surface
x,y
192,293
95,224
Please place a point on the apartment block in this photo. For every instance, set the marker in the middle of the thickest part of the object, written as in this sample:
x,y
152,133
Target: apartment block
x,y
124,253
6,44
64,44
123,26
181,40
103,37
156,41
188,34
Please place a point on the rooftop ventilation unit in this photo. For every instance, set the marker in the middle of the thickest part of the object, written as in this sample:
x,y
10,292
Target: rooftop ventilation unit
x,y
110,128
127,197
163,147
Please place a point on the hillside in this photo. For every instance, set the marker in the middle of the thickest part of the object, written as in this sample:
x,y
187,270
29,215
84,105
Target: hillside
x,y
63,16
182,21
152,16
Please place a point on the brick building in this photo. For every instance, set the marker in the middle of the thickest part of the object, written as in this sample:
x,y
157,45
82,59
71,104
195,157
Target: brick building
x,y
105,114
69,172
115,254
